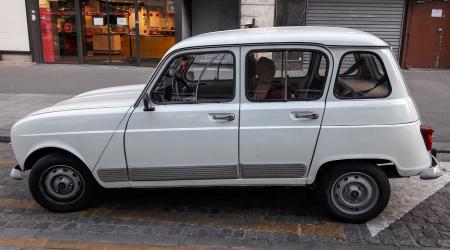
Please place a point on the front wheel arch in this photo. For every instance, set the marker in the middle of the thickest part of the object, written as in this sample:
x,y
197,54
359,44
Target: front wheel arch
x,y
39,153
62,183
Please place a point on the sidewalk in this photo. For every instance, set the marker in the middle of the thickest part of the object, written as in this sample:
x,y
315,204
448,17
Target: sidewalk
x,y
24,89
16,106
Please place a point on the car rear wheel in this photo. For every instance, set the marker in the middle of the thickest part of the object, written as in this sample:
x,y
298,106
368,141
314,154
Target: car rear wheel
x,y
61,183
354,191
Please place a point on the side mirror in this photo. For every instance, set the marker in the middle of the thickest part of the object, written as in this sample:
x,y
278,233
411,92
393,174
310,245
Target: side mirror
x,y
147,105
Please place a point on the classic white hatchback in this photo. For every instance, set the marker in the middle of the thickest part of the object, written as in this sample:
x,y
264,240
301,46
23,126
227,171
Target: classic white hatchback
x,y
293,106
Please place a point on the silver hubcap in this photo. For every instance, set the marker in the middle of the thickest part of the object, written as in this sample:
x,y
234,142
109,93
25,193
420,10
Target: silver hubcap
x,y
354,193
63,183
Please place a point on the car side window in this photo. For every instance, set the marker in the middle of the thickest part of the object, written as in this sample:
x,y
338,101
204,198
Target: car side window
x,y
361,75
285,75
197,78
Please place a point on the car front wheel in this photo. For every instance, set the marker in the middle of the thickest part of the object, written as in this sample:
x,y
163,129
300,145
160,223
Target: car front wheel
x,y
61,183
354,191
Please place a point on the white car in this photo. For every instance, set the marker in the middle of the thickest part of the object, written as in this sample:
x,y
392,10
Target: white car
x,y
294,106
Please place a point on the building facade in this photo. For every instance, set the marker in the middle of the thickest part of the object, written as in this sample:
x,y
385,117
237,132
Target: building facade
x,y
14,43
139,32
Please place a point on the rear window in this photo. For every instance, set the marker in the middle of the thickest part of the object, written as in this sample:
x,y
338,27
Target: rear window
x,y
285,75
362,75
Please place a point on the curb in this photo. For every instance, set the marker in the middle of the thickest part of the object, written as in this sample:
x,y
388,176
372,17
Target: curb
x,y
5,139
5,135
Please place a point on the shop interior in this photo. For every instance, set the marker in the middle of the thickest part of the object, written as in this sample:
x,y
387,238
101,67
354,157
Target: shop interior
x,y
108,30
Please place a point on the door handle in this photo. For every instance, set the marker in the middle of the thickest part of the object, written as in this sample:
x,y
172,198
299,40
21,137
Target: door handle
x,y
223,116
306,115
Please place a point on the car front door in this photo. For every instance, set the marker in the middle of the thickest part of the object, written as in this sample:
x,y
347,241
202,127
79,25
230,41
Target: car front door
x,y
282,106
192,133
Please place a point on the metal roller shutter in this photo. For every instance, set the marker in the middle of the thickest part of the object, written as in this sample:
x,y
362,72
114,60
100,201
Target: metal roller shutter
x,y
382,18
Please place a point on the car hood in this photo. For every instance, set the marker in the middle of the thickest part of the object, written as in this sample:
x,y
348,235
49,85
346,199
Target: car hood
x,y
122,96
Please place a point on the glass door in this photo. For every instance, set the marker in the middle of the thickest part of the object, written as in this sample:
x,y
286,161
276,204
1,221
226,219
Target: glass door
x,y
58,31
108,26
156,29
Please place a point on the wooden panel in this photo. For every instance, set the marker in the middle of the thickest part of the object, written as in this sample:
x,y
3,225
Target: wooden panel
x,y
100,42
425,35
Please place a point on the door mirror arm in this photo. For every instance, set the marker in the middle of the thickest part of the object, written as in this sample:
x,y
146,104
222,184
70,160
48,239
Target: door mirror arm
x,y
147,105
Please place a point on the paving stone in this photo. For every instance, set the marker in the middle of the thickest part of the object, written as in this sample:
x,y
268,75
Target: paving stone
x,y
292,237
403,237
416,234
445,235
443,243
257,235
413,226
70,226
175,231
387,238
237,234
42,225
353,233
427,242
98,228
441,228
431,233
127,229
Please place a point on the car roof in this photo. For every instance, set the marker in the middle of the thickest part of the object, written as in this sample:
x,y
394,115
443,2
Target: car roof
x,y
328,36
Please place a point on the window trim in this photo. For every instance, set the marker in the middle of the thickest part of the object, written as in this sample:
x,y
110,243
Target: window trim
x,y
287,50
362,98
170,60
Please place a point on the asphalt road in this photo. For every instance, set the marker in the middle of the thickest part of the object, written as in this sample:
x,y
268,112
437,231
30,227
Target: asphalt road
x,y
70,79
418,216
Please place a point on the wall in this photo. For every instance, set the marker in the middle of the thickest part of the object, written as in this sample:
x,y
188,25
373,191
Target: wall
x,y
290,12
13,26
214,15
263,11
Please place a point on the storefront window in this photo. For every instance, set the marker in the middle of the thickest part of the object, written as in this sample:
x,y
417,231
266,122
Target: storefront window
x,y
157,28
110,30
58,32
107,28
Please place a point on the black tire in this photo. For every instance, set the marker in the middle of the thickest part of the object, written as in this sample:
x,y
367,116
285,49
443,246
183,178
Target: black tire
x,y
53,170
334,187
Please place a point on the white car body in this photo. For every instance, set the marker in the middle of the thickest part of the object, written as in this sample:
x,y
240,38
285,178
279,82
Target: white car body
x,y
181,145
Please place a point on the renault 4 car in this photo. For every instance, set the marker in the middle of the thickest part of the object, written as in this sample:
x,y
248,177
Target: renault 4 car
x,y
294,106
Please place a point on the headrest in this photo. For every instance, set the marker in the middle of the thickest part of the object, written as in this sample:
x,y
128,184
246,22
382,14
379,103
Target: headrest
x,y
265,69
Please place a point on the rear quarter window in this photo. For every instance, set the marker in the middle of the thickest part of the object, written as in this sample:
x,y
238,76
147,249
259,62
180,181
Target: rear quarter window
x,y
361,75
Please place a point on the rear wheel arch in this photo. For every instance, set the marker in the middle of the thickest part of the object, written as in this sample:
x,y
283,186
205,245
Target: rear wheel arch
x,y
389,169
354,191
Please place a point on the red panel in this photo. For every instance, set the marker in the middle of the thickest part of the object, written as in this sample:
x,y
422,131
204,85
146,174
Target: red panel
x,y
47,35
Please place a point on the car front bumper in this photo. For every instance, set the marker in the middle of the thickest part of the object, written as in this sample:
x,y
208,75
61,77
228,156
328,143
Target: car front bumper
x,y
16,173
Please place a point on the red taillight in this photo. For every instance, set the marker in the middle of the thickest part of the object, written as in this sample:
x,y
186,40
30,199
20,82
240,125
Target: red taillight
x,y
427,134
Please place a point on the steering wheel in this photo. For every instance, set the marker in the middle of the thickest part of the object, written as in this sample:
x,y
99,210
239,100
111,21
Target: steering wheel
x,y
177,79
165,84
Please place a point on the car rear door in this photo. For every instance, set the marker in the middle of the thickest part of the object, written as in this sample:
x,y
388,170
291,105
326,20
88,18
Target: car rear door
x,y
282,106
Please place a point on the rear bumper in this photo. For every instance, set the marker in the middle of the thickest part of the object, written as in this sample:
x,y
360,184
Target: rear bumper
x,y
435,170
16,173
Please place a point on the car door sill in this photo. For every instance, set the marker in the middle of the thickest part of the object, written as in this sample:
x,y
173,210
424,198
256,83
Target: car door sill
x,y
222,182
